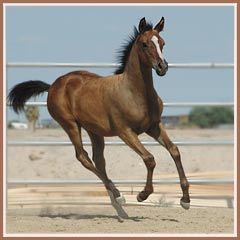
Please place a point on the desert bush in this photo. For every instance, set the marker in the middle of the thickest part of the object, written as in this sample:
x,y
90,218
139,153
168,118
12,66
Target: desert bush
x,y
207,117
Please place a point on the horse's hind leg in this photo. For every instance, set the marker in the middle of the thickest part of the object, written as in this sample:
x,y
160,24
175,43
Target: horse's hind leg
x,y
73,129
98,157
99,161
158,133
74,132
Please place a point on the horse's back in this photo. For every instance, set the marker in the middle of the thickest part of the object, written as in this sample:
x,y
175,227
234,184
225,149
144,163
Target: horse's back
x,y
84,74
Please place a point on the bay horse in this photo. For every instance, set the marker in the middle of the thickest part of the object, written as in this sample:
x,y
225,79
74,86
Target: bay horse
x,y
124,104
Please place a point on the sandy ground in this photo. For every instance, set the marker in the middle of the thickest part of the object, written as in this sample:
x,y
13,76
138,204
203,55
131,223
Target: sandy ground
x,y
46,162
144,220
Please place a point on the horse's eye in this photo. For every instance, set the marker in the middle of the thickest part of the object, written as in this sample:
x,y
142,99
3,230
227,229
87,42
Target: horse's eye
x,y
144,45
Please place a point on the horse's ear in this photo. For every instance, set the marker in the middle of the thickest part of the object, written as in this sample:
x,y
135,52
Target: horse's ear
x,y
142,25
159,27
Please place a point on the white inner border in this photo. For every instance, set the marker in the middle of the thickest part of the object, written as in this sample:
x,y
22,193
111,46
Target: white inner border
x,y
114,5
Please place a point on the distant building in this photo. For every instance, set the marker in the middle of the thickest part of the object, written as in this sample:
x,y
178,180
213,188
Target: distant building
x,y
19,125
174,121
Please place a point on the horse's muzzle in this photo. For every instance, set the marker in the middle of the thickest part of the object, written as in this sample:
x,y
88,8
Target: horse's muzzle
x,y
161,68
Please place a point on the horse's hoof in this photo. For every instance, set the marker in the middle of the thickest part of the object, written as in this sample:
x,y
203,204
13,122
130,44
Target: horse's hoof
x,y
139,198
120,219
123,215
185,205
121,200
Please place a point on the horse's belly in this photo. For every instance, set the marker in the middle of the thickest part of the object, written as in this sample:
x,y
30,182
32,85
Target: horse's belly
x,y
94,120
97,128
104,123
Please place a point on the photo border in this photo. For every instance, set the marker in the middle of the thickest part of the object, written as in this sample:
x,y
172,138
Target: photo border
x,y
3,124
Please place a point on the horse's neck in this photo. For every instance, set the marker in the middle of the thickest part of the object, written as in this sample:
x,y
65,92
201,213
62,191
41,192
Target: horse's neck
x,y
139,79
139,76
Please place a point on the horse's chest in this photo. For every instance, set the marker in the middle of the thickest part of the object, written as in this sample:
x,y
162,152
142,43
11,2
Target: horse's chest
x,y
136,109
146,115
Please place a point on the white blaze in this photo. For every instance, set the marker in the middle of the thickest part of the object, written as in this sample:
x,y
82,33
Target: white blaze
x,y
155,41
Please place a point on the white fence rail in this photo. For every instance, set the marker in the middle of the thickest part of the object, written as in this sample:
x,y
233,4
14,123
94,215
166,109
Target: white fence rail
x,y
173,105
115,65
122,181
120,143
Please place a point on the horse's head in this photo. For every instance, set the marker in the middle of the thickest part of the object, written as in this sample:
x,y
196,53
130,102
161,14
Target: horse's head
x,y
150,46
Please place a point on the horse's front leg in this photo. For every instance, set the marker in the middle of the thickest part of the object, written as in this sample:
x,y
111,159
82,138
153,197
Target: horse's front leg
x,y
158,132
131,139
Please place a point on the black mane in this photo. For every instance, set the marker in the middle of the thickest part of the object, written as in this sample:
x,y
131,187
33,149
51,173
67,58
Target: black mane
x,y
127,47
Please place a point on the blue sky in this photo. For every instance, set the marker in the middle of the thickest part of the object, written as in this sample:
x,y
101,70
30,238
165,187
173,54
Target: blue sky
x,y
94,34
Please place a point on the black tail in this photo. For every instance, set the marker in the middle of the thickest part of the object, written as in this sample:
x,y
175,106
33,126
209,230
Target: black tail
x,y
23,91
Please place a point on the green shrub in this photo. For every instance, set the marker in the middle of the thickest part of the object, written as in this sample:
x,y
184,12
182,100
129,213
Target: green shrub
x,y
206,117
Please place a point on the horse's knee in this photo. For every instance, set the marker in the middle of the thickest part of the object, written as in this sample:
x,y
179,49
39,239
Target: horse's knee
x,y
184,184
174,151
149,161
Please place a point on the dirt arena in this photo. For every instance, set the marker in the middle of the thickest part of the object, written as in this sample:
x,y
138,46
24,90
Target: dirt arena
x,y
213,216
144,220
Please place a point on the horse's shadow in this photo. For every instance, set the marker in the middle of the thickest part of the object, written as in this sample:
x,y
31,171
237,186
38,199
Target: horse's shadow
x,y
170,220
95,216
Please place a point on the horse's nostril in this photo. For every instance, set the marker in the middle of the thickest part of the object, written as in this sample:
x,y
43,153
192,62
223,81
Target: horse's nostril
x,y
163,64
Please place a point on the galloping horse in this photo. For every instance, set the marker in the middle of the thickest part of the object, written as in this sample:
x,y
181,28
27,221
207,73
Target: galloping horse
x,y
124,104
